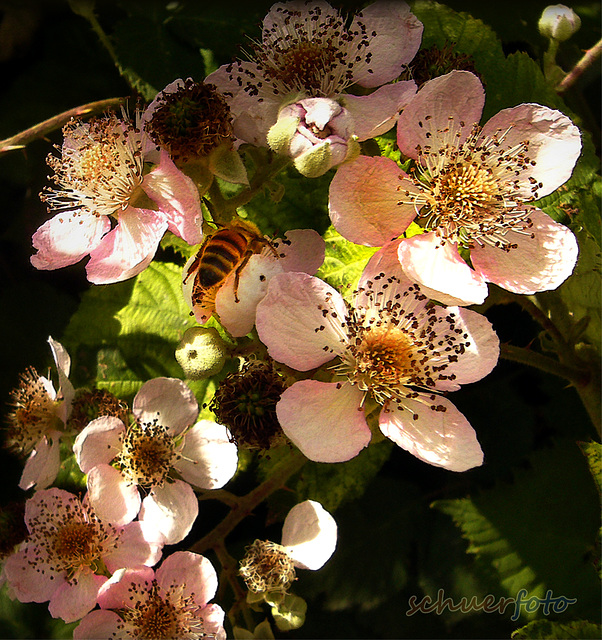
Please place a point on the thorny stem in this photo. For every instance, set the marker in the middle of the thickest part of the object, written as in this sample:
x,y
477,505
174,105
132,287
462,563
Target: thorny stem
x,y
246,504
40,130
575,73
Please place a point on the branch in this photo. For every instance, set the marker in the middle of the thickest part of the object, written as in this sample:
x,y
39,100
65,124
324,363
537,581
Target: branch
x,y
575,73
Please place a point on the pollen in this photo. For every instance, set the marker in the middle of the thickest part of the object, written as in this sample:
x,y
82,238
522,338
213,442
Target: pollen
x,y
147,454
34,414
470,191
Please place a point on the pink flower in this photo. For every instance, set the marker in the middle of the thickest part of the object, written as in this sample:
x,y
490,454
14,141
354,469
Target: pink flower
x,y
108,207
160,455
471,194
171,602
65,558
309,51
37,423
392,350
235,303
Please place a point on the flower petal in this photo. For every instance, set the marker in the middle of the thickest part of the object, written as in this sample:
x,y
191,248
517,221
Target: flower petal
x,y
99,442
303,251
377,112
364,201
117,592
324,420
172,509
208,458
290,317
395,40
28,580
177,197
192,573
440,103
63,365
43,463
554,144
309,535
111,497
433,430
67,238
169,400
75,598
538,263
98,624
440,271
128,248
138,544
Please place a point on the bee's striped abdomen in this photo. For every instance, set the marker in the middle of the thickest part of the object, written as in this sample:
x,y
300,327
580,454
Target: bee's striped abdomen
x,y
222,254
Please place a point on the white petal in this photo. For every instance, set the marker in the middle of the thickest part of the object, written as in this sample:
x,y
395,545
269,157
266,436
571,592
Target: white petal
x,y
309,535
440,436
99,442
192,573
208,459
43,463
172,509
324,420
73,600
111,497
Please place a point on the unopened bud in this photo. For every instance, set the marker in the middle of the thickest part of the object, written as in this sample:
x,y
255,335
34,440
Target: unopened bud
x,y
201,353
559,22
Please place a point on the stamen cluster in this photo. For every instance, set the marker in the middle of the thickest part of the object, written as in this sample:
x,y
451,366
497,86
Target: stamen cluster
x,y
267,567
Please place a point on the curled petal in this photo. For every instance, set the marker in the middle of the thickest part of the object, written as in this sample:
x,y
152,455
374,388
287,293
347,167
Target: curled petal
x,y
324,420
169,400
433,430
364,201
538,263
208,458
309,535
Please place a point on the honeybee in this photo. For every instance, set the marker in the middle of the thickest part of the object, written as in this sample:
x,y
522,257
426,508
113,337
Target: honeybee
x,y
225,251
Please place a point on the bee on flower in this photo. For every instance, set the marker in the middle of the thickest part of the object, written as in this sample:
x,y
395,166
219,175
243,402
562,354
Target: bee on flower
x,y
472,193
391,353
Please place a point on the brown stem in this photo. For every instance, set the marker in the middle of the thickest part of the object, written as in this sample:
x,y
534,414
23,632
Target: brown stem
x,y
230,573
575,73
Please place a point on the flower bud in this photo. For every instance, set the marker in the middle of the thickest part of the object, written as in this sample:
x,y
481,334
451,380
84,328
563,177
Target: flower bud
x,y
201,353
317,133
558,22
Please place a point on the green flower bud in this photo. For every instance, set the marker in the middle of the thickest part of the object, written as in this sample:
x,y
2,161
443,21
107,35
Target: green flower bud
x,y
558,22
201,353
281,134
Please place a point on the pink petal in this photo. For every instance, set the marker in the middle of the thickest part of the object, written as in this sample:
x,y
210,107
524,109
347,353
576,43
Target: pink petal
x,y
171,509
443,438
99,442
309,535
364,201
554,143
127,249
177,197
125,587
398,34
440,103
73,600
111,497
67,238
440,271
138,544
324,420
98,624
377,112
63,365
30,580
43,463
540,263
192,573
290,316
385,261
305,251
208,459
169,400
213,621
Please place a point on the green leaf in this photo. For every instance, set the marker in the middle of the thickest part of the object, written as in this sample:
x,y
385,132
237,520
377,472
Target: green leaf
x,y
536,533
344,261
546,629
126,333
333,484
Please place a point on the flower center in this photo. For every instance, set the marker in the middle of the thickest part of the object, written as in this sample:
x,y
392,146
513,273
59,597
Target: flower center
x,y
34,413
76,544
267,567
147,453
470,191
100,167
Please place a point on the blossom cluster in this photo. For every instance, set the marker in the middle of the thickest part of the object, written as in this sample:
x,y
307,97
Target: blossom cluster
x,y
321,370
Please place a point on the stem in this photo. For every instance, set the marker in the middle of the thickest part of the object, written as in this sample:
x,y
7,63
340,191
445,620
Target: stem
x,y
40,130
246,504
544,363
575,73
230,572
